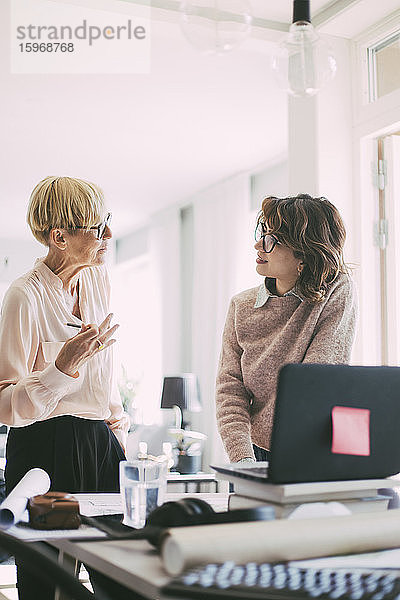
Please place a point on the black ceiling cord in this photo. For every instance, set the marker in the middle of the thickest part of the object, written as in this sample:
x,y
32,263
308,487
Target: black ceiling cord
x,y
301,11
40,564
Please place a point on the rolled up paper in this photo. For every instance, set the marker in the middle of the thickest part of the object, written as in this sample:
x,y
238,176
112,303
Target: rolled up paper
x,y
34,482
280,540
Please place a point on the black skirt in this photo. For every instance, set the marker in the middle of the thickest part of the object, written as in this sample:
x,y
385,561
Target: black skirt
x,y
80,455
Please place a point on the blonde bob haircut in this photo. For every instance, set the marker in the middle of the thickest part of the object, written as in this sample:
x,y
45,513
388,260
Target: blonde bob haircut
x,y
64,203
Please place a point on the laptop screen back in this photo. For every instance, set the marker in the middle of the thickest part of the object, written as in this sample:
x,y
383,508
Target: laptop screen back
x,y
317,434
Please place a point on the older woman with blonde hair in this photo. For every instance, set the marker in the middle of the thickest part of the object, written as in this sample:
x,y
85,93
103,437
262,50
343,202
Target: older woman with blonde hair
x,y
304,311
57,390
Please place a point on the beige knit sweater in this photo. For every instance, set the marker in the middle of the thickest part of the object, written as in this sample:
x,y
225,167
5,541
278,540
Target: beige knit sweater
x,y
259,338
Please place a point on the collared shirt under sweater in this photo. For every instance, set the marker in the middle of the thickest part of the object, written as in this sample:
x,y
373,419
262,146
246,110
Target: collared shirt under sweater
x,y
262,333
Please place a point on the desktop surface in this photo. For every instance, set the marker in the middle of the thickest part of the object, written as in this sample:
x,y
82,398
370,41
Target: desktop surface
x,y
134,564
137,565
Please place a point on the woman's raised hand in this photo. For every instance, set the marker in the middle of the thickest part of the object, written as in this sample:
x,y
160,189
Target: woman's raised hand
x,y
89,341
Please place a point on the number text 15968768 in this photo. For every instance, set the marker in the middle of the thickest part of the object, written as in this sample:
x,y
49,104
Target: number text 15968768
x,y
47,47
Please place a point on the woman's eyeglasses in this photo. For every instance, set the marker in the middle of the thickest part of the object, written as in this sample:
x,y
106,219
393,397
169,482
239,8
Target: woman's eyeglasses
x,y
100,228
268,239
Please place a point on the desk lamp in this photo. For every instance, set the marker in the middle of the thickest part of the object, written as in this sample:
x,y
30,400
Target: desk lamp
x,y
181,392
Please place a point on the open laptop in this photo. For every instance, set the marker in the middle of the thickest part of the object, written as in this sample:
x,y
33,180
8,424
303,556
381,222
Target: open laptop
x,y
332,422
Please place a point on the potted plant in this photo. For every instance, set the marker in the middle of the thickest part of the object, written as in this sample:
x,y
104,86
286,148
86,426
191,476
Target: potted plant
x,y
187,447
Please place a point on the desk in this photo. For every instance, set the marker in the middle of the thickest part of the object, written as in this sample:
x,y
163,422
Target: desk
x,y
136,565
133,563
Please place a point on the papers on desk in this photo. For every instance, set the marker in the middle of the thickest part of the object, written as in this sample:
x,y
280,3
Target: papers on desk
x,y
95,505
91,505
27,534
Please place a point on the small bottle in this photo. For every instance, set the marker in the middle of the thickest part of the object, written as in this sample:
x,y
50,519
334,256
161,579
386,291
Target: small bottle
x,y
142,454
167,451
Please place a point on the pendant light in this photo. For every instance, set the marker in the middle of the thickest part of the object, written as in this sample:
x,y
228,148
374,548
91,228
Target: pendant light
x,y
215,26
304,62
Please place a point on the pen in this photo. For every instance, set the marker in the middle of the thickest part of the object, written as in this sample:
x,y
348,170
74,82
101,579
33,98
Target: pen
x,y
74,325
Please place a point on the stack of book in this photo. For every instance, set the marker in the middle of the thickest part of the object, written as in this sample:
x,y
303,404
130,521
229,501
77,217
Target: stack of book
x,y
359,496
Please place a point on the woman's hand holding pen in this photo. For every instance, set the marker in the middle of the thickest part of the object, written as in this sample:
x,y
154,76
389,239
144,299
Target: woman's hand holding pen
x,y
89,341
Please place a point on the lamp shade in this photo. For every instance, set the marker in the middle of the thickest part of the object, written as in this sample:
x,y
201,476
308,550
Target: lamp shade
x,y
183,391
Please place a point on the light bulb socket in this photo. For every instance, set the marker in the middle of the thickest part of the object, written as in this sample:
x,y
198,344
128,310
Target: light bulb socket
x,y
301,11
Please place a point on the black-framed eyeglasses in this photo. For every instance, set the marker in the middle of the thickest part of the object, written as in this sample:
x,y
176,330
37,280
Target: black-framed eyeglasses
x,y
268,239
100,228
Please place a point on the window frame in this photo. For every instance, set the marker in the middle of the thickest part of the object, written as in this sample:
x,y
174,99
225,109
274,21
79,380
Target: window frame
x,y
363,107
372,67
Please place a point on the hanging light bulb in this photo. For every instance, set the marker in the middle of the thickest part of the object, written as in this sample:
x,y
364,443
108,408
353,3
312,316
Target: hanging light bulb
x,y
304,62
215,26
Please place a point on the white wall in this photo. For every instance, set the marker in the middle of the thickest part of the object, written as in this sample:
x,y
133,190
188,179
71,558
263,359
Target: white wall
x,y
335,124
320,140
17,257
321,150
336,168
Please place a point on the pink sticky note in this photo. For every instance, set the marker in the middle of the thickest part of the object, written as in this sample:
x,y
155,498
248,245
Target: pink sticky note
x,y
350,430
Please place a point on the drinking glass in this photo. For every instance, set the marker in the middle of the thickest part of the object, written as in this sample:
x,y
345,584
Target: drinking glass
x,y
143,484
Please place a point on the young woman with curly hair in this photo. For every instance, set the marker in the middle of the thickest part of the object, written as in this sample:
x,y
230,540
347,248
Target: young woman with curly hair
x,y
304,311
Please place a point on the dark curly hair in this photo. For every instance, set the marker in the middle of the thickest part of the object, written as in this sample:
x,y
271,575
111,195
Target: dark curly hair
x,y
314,230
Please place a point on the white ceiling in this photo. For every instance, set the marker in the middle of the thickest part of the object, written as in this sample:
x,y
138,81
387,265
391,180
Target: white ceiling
x,y
148,140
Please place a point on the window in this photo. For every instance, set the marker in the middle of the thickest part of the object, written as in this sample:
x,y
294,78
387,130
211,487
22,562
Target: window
x,y
383,67
138,347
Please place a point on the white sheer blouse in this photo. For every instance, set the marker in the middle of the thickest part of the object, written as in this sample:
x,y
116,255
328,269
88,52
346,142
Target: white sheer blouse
x,y
32,331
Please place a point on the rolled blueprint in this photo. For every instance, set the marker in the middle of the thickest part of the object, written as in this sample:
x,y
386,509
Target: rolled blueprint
x,y
280,540
34,482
